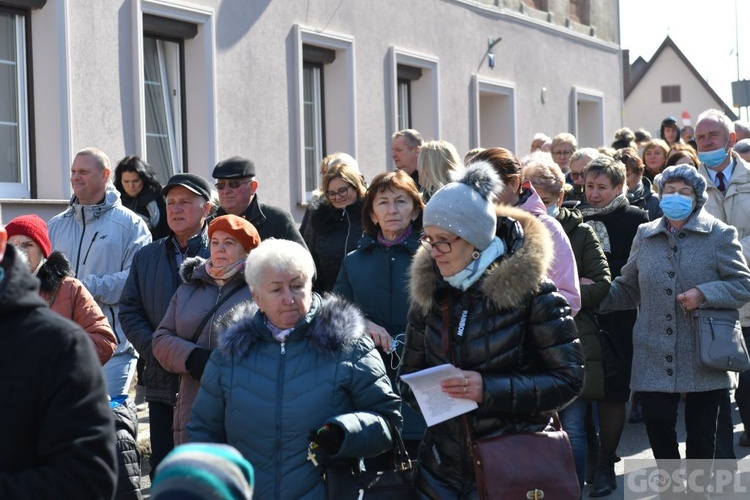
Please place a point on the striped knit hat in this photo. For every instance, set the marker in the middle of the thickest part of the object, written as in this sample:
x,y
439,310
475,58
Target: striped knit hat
x,y
203,471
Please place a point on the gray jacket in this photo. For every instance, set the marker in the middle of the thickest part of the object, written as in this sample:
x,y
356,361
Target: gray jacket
x,y
263,397
710,256
101,241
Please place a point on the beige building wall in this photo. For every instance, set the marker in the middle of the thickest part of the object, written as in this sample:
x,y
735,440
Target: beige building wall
x,y
243,86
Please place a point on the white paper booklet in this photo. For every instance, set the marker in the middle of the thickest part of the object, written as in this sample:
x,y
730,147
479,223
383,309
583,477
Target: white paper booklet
x,y
436,405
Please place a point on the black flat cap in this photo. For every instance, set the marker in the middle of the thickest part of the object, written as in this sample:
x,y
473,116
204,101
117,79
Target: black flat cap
x,y
193,182
234,167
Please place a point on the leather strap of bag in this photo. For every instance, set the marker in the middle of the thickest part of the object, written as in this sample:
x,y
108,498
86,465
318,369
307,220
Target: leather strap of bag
x,y
215,308
448,350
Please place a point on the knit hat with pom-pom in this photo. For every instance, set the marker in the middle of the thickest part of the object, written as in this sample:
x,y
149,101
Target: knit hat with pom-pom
x,y
465,207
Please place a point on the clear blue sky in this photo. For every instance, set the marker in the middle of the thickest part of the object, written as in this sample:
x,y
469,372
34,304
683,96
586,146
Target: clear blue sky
x,y
704,30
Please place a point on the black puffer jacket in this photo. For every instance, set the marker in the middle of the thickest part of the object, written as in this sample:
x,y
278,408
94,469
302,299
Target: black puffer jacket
x,y
128,457
518,335
331,234
152,281
152,209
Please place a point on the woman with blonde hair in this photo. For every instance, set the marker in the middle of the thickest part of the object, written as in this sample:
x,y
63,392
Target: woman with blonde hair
x,y
437,159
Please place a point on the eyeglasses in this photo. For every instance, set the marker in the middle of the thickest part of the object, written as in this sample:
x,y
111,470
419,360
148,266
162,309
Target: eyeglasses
x,y
562,153
221,185
575,175
440,246
339,193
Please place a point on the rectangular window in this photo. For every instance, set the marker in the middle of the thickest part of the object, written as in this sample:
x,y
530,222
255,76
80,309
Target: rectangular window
x,y
314,120
14,115
670,93
404,104
162,67
578,11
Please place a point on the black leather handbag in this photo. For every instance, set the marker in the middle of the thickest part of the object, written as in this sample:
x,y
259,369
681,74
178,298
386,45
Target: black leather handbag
x,y
395,482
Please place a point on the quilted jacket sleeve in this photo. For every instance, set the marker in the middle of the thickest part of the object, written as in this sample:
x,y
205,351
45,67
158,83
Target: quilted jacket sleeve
x,y
86,312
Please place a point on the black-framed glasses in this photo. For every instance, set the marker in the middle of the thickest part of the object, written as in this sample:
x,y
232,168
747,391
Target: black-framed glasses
x,y
575,175
339,193
221,185
442,246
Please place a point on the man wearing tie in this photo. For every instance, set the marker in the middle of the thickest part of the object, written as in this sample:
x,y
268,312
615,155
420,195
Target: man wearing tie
x,y
728,179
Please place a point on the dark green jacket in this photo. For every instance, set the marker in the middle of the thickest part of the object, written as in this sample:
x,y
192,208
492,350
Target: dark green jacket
x,y
592,264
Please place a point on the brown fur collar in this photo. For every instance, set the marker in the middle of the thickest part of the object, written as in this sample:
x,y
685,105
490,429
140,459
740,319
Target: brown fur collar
x,y
507,282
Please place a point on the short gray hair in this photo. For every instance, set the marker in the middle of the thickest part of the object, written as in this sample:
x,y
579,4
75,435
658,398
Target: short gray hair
x,y
740,126
101,158
589,153
412,137
282,256
608,166
717,116
742,146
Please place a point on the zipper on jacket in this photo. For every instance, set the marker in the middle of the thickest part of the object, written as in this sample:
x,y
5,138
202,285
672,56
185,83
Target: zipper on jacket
x,y
279,429
348,230
112,323
283,348
80,242
89,249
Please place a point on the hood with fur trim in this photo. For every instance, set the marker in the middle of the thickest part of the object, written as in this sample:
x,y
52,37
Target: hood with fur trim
x,y
330,325
53,271
189,266
510,280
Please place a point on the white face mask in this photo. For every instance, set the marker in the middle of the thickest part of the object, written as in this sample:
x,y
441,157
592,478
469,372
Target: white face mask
x,y
553,211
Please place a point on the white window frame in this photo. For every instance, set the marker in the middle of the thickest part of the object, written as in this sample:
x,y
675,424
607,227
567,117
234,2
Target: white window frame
x,y
200,76
22,188
483,86
588,96
340,99
317,105
425,93
403,104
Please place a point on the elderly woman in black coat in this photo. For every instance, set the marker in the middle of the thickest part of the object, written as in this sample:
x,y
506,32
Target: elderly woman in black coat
x,y
510,331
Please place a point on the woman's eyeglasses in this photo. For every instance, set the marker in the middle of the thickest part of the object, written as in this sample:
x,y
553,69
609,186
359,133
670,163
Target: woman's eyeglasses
x,y
221,185
339,193
441,246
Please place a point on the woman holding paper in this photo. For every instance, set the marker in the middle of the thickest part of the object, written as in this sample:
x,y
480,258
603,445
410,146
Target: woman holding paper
x,y
482,276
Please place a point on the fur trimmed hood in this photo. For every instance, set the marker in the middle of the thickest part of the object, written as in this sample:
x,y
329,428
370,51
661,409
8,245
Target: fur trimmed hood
x,y
53,271
510,280
188,267
331,324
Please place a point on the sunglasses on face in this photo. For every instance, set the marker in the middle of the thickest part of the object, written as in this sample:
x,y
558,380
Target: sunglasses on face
x,y
221,185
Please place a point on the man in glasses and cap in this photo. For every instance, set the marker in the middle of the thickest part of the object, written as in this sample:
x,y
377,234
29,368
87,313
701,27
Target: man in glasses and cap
x,y
236,183
154,277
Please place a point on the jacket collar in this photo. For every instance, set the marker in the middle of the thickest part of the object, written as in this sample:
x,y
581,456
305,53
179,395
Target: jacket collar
x,y
93,212
700,222
506,283
331,323
368,242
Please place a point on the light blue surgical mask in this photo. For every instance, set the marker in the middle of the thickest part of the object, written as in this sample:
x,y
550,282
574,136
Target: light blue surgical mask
x,y
676,206
713,158
553,211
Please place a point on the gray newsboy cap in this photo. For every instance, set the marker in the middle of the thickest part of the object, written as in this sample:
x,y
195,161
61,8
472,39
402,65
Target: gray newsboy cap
x,y
234,167
193,182
689,175
465,207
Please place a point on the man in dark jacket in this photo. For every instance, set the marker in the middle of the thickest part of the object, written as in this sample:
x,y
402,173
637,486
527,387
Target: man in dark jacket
x,y
58,434
237,186
153,279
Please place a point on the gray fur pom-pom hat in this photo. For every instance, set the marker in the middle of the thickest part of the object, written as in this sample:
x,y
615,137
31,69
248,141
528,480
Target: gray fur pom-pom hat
x,y
465,207
689,175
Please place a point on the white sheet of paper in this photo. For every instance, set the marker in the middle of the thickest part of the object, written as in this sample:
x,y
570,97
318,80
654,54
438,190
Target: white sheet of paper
x,y
436,405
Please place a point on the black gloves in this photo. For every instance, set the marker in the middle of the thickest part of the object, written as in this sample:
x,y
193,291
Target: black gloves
x,y
329,438
196,362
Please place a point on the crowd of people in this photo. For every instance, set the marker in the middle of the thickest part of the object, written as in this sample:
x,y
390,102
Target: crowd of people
x,y
270,355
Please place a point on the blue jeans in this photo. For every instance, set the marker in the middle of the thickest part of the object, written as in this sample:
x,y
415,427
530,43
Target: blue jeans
x,y
119,372
572,418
